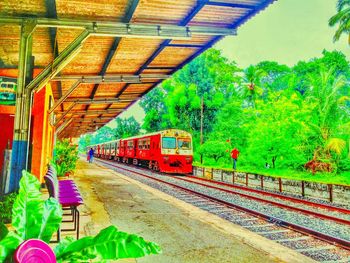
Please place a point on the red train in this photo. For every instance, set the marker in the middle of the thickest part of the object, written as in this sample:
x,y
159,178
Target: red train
x,y
168,151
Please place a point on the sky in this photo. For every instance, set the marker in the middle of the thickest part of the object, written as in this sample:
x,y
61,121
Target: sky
x,y
286,31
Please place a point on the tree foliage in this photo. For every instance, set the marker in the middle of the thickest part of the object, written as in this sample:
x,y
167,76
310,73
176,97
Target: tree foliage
x,y
275,114
342,18
126,127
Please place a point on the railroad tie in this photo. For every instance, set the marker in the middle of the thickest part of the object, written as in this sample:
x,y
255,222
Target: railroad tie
x,y
273,232
344,260
293,239
248,219
314,249
257,226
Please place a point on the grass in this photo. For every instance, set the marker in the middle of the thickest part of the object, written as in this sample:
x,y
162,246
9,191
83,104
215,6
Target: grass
x,y
327,178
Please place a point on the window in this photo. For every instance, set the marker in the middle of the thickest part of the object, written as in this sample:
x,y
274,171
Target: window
x,y
169,143
184,143
144,144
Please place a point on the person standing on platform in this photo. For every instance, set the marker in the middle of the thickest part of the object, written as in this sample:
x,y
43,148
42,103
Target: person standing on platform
x,y
91,155
234,155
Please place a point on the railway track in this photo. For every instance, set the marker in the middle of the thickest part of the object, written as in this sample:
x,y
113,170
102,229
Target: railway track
x,y
319,231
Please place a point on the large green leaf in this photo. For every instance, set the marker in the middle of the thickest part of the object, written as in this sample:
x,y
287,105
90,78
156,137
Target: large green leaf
x,y
3,231
28,208
51,220
109,244
60,248
9,244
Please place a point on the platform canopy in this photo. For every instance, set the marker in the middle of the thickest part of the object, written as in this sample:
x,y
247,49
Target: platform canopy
x,y
101,56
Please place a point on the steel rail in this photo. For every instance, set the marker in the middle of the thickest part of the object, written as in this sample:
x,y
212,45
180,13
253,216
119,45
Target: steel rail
x,y
307,212
327,238
289,198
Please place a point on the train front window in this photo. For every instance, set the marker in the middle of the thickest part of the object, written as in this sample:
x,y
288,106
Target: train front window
x,y
169,143
184,143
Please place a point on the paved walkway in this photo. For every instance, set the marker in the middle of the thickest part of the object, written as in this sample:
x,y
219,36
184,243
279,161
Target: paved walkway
x,y
185,233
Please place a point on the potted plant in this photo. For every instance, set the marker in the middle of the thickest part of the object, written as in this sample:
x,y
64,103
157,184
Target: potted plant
x,y
65,157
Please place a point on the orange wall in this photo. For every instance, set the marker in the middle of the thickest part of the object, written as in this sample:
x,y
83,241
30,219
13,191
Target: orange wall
x,y
41,133
42,136
12,72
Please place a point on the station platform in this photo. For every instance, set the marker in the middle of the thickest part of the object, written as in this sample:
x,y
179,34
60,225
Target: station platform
x,y
184,232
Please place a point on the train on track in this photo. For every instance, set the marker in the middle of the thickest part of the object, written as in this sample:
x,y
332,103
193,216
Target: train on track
x,y
167,151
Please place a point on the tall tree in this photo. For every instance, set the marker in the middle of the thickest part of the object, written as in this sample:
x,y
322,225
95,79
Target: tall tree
x,y
342,18
324,92
104,134
250,89
154,107
127,127
278,133
209,78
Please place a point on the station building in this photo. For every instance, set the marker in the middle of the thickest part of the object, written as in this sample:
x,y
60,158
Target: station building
x,y
76,65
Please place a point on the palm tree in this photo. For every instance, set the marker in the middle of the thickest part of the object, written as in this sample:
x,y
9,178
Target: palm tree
x,y
343,18
323,92
251,89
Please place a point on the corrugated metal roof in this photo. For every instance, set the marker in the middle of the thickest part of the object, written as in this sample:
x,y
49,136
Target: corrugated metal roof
x,y
113,55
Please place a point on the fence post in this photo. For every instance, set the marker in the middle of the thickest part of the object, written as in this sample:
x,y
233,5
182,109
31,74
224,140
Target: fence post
x,y
203,172
303,188
222,175
330,189
212,173
280,184
233,177
246,179
262,181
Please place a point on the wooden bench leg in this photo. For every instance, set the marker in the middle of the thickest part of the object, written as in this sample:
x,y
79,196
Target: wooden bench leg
x,y
78,222
70,214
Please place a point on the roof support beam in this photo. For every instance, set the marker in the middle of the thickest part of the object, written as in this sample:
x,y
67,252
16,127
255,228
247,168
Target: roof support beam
x,y
52,13
64,114
20,147
63,125
96,112
78,119
159,68
107,28
65,96
233,5
186,45
59,63
96,100
111,78
88,122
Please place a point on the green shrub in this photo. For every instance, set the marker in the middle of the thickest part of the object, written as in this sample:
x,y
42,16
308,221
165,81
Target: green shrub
x,y
66,156
6,204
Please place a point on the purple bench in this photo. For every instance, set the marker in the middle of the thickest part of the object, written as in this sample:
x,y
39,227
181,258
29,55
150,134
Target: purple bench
x,y
67,193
